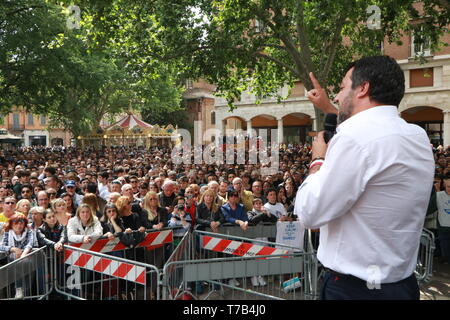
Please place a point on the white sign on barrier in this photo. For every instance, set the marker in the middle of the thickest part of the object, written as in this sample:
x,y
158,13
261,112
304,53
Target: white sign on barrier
x,y
290,234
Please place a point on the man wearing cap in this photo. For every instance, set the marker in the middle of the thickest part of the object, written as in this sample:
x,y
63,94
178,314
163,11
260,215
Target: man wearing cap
x,y
71,189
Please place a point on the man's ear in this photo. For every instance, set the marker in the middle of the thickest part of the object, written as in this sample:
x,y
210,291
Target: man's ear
x,y
363,90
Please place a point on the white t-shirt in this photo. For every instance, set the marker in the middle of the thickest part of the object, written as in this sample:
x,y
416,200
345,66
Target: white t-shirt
x,y
276,210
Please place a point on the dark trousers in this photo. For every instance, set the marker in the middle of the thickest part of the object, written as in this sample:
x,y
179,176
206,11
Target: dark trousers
x,y
444,239
342,287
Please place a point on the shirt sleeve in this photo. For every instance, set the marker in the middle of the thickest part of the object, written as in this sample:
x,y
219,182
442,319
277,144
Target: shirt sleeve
x,y
227,216
334,189
72,235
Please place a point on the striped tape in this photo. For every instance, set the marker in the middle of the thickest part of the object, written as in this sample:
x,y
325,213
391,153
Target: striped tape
x,y
106,266
243,249
152,240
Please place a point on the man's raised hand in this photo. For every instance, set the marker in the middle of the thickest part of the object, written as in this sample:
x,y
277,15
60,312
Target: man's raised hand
x,y
319,97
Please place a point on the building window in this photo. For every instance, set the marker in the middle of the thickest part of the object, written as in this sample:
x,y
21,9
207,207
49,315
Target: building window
x,y
189,84
420,47
259,26
421,77
16,121
213,117
43,120
30,119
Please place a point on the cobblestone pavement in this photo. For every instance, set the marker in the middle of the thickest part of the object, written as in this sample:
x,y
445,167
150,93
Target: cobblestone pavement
x,y
439,286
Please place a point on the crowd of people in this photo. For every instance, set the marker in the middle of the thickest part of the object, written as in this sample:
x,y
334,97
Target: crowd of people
x,y
51,196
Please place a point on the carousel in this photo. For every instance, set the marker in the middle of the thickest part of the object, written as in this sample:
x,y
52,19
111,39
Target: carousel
x,y
131,131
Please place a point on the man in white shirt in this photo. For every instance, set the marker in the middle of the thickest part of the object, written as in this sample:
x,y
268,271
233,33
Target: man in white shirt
x,y
362,189
275,208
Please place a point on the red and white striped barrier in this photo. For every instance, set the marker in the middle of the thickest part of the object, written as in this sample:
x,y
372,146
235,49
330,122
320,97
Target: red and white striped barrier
x,y
152,240
243,249
106,266
110,267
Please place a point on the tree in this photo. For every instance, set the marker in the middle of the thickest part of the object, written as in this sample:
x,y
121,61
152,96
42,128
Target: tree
x,y
69,74
262,45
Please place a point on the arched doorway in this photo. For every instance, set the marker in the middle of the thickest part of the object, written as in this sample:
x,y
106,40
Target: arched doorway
x,y
431,119
296,127
264,122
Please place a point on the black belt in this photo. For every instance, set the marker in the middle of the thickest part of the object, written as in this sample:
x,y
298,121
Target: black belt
x,y
345,276
350,277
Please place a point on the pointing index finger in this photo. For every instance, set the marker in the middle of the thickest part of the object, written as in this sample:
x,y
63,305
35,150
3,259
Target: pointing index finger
x,y
314,81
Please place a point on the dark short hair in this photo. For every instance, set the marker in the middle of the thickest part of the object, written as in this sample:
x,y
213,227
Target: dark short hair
x,y
384,75
233,193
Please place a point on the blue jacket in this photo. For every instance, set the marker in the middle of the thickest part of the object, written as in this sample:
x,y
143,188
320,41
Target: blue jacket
x,y
232,215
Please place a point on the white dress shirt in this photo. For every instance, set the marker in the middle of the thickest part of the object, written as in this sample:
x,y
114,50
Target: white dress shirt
x,y
370,196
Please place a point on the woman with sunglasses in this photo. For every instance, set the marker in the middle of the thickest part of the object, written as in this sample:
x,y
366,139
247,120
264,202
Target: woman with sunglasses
x,y
17,242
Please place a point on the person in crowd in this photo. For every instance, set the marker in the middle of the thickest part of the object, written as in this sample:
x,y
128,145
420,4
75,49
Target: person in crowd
x,y
223,190
266,187
260,214
23,206
52,229
9,206
91,200
245,197
234,212
113,196
26,192
152,186
167,195
440,202
43,199
157,216
130,219
143,189
85,226
70,206
71,189
17,242
93,188
208,213
112,222
179,218
214,186
281,196
274,207
51,193
36,189
59,208
257,190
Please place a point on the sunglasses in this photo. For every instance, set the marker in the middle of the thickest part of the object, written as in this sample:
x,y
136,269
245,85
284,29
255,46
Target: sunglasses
x,y
10,203
19,221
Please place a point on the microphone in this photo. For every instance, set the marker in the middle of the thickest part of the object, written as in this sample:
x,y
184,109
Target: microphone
x,y
329,126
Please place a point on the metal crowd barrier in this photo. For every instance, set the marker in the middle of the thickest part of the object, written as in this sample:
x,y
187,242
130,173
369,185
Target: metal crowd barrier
x,y
424,267
27,277
87,275
264,270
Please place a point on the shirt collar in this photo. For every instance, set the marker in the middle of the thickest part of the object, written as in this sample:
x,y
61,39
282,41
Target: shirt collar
x,y
378,111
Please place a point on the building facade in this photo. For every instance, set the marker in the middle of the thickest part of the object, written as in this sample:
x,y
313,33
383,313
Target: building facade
x,y
426,101
33,129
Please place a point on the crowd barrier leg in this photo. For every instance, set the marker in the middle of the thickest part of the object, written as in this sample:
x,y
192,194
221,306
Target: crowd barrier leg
x,y
27,277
